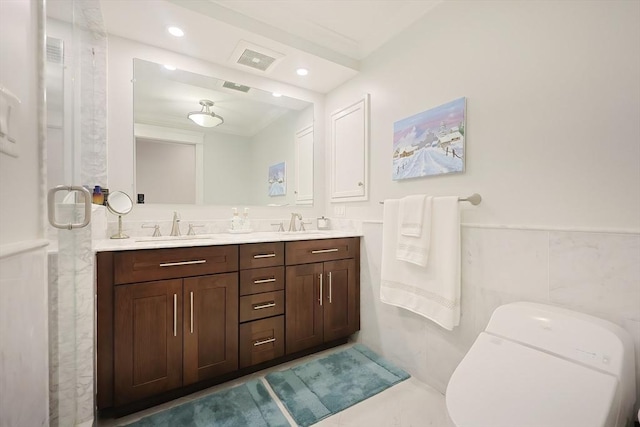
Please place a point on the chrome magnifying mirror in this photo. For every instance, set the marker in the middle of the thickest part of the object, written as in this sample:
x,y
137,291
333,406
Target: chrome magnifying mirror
x,y
119,203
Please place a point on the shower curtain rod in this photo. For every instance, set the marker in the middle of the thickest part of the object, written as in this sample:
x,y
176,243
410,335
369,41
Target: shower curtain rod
x,y
474,199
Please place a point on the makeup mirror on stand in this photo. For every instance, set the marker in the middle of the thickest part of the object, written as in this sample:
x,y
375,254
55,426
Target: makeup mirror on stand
x,y
119,203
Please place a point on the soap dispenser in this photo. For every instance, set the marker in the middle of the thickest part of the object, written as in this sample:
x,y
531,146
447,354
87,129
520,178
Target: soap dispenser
x,y
236,222
246,223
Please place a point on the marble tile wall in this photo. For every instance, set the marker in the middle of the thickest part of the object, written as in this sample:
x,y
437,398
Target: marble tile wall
x,y
92,50
23,333
591,272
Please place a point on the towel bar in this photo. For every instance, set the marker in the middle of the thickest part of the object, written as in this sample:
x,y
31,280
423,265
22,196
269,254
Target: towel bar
x,y
474,199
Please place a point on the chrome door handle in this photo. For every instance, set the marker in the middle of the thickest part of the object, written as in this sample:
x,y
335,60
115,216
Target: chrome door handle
x,y
330,287
175,315
191,298
257,282
51,207
320,299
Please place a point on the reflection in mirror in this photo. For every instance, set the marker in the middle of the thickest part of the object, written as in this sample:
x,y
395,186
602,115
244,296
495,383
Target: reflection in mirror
x,y
178,161
119,203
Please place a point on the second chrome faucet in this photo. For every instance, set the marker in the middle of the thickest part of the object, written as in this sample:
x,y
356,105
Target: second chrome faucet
x,y
292,223
175,228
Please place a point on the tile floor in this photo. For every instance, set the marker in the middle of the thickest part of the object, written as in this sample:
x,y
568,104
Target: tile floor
x,y
410,403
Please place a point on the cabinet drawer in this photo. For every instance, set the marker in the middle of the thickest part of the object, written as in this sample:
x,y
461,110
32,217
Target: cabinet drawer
x,y
308,251
261,280
156,264
261,340
258,306
256,255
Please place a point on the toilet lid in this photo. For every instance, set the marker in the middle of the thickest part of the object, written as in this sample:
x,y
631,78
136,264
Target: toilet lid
x,y
500,383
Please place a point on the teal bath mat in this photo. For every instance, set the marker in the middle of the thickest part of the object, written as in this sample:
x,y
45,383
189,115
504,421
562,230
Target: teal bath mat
x,y
247,405
323,387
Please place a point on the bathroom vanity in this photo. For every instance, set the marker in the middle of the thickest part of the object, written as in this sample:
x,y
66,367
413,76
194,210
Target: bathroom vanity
x,y
172,320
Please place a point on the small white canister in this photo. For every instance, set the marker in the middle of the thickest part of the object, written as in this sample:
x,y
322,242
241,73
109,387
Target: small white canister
x,y
323,223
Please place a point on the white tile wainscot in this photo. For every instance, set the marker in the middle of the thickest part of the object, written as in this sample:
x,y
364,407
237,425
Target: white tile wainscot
x,y
596,272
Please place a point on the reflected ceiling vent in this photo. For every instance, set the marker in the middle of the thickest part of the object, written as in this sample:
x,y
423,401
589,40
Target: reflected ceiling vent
x,y
256,57
54,50
236,86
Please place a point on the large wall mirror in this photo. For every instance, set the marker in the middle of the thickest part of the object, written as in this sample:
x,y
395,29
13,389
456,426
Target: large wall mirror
x,y
261,153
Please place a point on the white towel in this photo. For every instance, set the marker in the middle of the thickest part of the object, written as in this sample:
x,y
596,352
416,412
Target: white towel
x,y
412,215
432,291
414,234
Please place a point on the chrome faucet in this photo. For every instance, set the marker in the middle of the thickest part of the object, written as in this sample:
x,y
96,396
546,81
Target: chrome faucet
x,y
292,223
175,228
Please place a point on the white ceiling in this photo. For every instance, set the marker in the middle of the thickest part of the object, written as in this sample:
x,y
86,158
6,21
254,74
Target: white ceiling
x,y
329,37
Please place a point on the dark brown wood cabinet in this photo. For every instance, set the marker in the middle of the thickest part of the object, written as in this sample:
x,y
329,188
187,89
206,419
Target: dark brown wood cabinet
x,y
322,298
210,326
262,304
160,335
148,339
171,321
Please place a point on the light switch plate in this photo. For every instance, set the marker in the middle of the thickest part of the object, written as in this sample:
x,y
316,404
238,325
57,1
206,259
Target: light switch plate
x,y
339,210
8,117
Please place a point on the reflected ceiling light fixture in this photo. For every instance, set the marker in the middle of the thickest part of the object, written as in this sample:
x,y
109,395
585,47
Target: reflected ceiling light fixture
x,y
205,117
276,94
175,31
170,67
302,71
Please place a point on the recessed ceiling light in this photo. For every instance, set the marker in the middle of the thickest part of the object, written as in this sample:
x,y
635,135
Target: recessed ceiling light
x,y
169,67
175,31
276,94
302,71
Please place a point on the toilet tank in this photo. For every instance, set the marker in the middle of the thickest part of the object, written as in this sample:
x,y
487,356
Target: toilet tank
x,y
585,339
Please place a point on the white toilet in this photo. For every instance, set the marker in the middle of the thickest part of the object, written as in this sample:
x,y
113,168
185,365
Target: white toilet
x,y
537,365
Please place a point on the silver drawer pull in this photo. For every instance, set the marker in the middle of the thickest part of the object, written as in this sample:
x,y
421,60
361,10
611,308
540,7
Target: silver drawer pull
x,y
324,251
267,305
267,341
264,256
257,282
173,264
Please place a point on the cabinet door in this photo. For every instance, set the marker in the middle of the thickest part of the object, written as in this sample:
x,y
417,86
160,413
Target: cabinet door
x,y
341,316
303,310
349,152
148,339
210,326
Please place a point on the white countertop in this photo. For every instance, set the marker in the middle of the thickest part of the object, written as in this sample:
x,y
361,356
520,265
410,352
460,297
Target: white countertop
x,y
140,242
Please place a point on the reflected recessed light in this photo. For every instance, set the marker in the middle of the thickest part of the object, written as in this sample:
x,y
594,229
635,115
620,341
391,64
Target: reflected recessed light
x,y
169,67
302,71
175,31
276,94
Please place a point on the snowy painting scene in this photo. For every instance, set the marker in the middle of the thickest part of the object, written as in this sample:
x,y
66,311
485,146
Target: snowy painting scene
x,y
430,143
277,180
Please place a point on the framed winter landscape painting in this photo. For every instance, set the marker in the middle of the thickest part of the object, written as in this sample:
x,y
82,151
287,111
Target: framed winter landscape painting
x,y
277,179
430,143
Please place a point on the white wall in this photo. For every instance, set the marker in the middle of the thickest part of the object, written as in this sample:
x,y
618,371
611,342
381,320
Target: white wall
x,y
553,147
168,173
552,109
23,294
227,174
